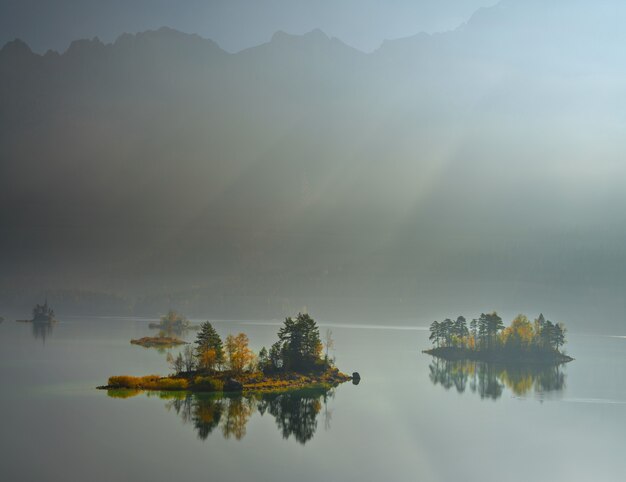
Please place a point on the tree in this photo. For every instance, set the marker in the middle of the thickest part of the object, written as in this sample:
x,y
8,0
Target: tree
x,y
189,361
520,334
173,322
460,330
176,363
276,357
474,327
435,333
209,349
264,359
447,329
552,335
207,360
558,338
329,342
488,327
300,342
240,357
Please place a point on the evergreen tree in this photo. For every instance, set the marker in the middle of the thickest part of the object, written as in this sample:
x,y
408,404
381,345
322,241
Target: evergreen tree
x,y
447,330
558,338
300,340
208,339
264,359
474,327
460,329
492,324
435,332
275,357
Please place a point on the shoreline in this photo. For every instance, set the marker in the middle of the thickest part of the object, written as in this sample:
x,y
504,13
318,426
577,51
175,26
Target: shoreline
x,y
226,382
499,356
158,342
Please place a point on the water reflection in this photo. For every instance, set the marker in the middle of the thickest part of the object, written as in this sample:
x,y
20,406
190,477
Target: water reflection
x,y
42,330
490,380
295,412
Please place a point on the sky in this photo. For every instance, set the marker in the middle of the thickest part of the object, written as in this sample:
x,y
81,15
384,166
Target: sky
x,y
233,24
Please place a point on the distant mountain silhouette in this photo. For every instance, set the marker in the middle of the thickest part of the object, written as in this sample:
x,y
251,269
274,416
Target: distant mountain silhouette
x,y
305,168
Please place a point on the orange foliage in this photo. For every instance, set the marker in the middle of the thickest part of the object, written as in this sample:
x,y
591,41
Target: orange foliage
x,y
240,357
520,332
208,359
150,382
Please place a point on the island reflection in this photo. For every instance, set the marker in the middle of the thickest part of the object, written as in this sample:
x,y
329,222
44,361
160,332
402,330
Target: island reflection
x,y
489,380
296,412
42,330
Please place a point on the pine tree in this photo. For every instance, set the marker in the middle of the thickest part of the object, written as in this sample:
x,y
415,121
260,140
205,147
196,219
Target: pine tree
x,y
301,344
435,332
208,339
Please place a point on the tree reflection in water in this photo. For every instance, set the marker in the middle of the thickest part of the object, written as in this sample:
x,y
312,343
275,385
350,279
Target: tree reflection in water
x,y
489,380
296,412
41,330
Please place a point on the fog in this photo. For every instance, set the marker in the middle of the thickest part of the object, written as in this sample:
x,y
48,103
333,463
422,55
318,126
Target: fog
x,y
446,173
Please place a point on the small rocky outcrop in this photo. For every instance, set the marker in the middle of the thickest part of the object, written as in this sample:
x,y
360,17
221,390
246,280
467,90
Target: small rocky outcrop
x,y
356,378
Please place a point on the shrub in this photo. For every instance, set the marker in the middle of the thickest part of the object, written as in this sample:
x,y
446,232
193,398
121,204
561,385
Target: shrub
x,y
169,384
150,382
208,384
124,381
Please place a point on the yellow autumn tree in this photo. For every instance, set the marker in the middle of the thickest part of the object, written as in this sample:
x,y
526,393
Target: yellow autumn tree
x,y
520,334
208,359
240,356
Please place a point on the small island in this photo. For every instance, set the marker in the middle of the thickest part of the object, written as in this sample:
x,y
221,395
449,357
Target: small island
x,y
169,326
488,340
41,314
295,361
173,322
158,342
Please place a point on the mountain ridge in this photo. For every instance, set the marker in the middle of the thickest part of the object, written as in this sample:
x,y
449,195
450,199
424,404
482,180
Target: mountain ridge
x,y
439,159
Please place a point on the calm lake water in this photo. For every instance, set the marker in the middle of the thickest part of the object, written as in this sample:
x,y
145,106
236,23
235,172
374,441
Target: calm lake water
x,y
409,418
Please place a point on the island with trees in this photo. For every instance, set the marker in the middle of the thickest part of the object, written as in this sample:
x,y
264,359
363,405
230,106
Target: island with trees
x,y
170,326
296,360
158,342
486,339
172,322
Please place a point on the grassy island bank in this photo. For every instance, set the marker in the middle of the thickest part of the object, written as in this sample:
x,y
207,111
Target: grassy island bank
x,y
158,341
499,356
227,382
488,340
295,361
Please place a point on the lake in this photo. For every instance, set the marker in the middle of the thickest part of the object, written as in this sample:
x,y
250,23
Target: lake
x,y
409,418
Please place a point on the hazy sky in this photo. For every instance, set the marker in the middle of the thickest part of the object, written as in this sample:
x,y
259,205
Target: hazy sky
x,y
234,24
